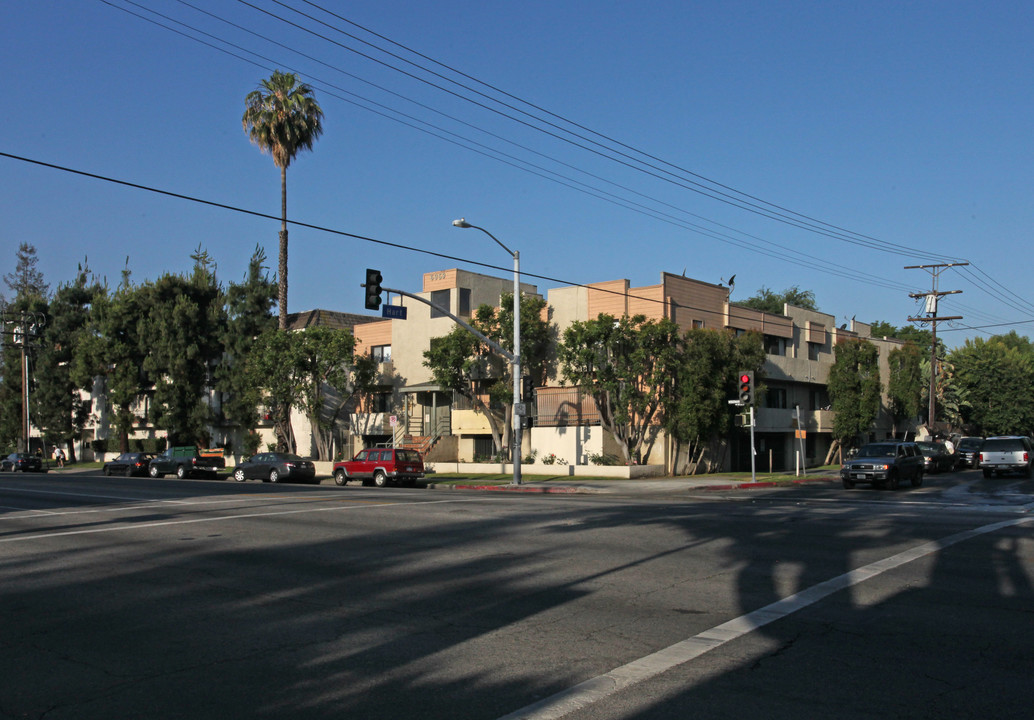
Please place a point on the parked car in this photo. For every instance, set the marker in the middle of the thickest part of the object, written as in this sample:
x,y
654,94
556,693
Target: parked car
x,y
21,461
133,463
276,467
884,464
968,451
381,466
1005,454
187,461
936,457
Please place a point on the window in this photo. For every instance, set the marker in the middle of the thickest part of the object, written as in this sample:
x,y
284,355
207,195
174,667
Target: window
x,y
776,398
439,298
698,324
464,302
775,345
381,402
813,351
381,353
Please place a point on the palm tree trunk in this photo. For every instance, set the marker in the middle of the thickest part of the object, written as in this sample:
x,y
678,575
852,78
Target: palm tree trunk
x,y
282,268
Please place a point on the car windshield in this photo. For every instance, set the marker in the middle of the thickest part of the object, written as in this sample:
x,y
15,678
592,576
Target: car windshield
x,y
407,455
289,456
878,450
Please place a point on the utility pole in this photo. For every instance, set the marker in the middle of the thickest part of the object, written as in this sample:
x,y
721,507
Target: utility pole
x,y
25,329
931,317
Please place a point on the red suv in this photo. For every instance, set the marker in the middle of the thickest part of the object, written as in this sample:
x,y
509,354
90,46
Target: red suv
x,y
381,466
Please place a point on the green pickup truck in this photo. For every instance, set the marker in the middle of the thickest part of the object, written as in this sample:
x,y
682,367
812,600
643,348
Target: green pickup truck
x,y
187,461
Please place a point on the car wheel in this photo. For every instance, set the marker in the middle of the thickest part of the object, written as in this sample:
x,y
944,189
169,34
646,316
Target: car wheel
x,y
849,484
380,479
238,475
987,473
181,471
917,479
107,472
892,481
153,472
340,478
274,476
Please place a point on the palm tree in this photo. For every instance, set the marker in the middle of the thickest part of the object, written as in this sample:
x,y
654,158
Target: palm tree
x,y
282,117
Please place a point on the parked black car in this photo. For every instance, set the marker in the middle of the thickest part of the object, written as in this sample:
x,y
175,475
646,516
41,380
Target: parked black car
x,y
133,463
276,467
884,464
21,461
968,451
936,457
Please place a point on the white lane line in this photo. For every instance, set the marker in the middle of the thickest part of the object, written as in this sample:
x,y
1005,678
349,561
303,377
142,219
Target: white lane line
x,y
244,516
595,689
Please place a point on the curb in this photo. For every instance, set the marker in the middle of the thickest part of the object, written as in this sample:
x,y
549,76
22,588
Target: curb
x,y
766,484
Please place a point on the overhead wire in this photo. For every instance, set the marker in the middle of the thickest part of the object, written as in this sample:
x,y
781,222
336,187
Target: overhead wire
x,y
790,255
538,170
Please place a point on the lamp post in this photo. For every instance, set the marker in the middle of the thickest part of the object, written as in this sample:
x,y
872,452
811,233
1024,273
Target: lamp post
x,y
517,418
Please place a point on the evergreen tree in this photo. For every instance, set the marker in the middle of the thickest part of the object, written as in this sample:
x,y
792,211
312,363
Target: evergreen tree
x,y
854,388
697,414
996,379
109,357
248,309
58,407
905,387
183,330
23,321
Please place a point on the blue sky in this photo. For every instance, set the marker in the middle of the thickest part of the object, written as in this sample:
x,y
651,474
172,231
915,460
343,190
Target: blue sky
x,y
632,138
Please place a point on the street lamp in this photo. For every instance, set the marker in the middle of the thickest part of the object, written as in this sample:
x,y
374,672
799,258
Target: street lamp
x,y
517,418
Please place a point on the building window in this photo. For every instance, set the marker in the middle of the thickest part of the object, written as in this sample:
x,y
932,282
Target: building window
x,y
464,302
440,299
381,353
775,345
698,324
776,398
813,351
819,399
380,402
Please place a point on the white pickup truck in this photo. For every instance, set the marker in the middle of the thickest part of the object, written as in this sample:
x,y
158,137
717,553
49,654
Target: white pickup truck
x,y
1000,455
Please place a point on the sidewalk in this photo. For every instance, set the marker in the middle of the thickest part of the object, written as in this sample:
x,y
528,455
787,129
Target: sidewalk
x,y
644,485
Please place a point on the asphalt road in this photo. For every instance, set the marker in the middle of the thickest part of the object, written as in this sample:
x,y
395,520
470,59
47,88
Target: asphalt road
x,y
126,598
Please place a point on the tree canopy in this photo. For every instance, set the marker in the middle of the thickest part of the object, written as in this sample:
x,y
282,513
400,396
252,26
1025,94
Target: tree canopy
x,y
769,301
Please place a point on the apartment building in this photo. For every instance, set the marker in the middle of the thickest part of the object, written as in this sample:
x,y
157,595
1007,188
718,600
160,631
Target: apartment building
x,y
792,415
409,402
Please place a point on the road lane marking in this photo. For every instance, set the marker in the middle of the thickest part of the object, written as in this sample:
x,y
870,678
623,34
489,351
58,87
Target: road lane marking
x,y
245,516
595,689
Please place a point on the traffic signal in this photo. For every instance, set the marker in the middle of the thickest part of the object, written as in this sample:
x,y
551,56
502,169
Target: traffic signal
x,y
373,289
746,387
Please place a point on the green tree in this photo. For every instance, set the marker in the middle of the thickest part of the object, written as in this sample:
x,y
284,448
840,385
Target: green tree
x,y
772,302
905,387
315,369
182,333
248,309
461,362
854,389
109,357
697,415
21,340
282,118
58,409
996,378
628,366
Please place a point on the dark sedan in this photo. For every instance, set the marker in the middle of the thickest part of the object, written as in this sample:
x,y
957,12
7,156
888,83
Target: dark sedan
x,y
936,457
276,467
21,461
129,464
